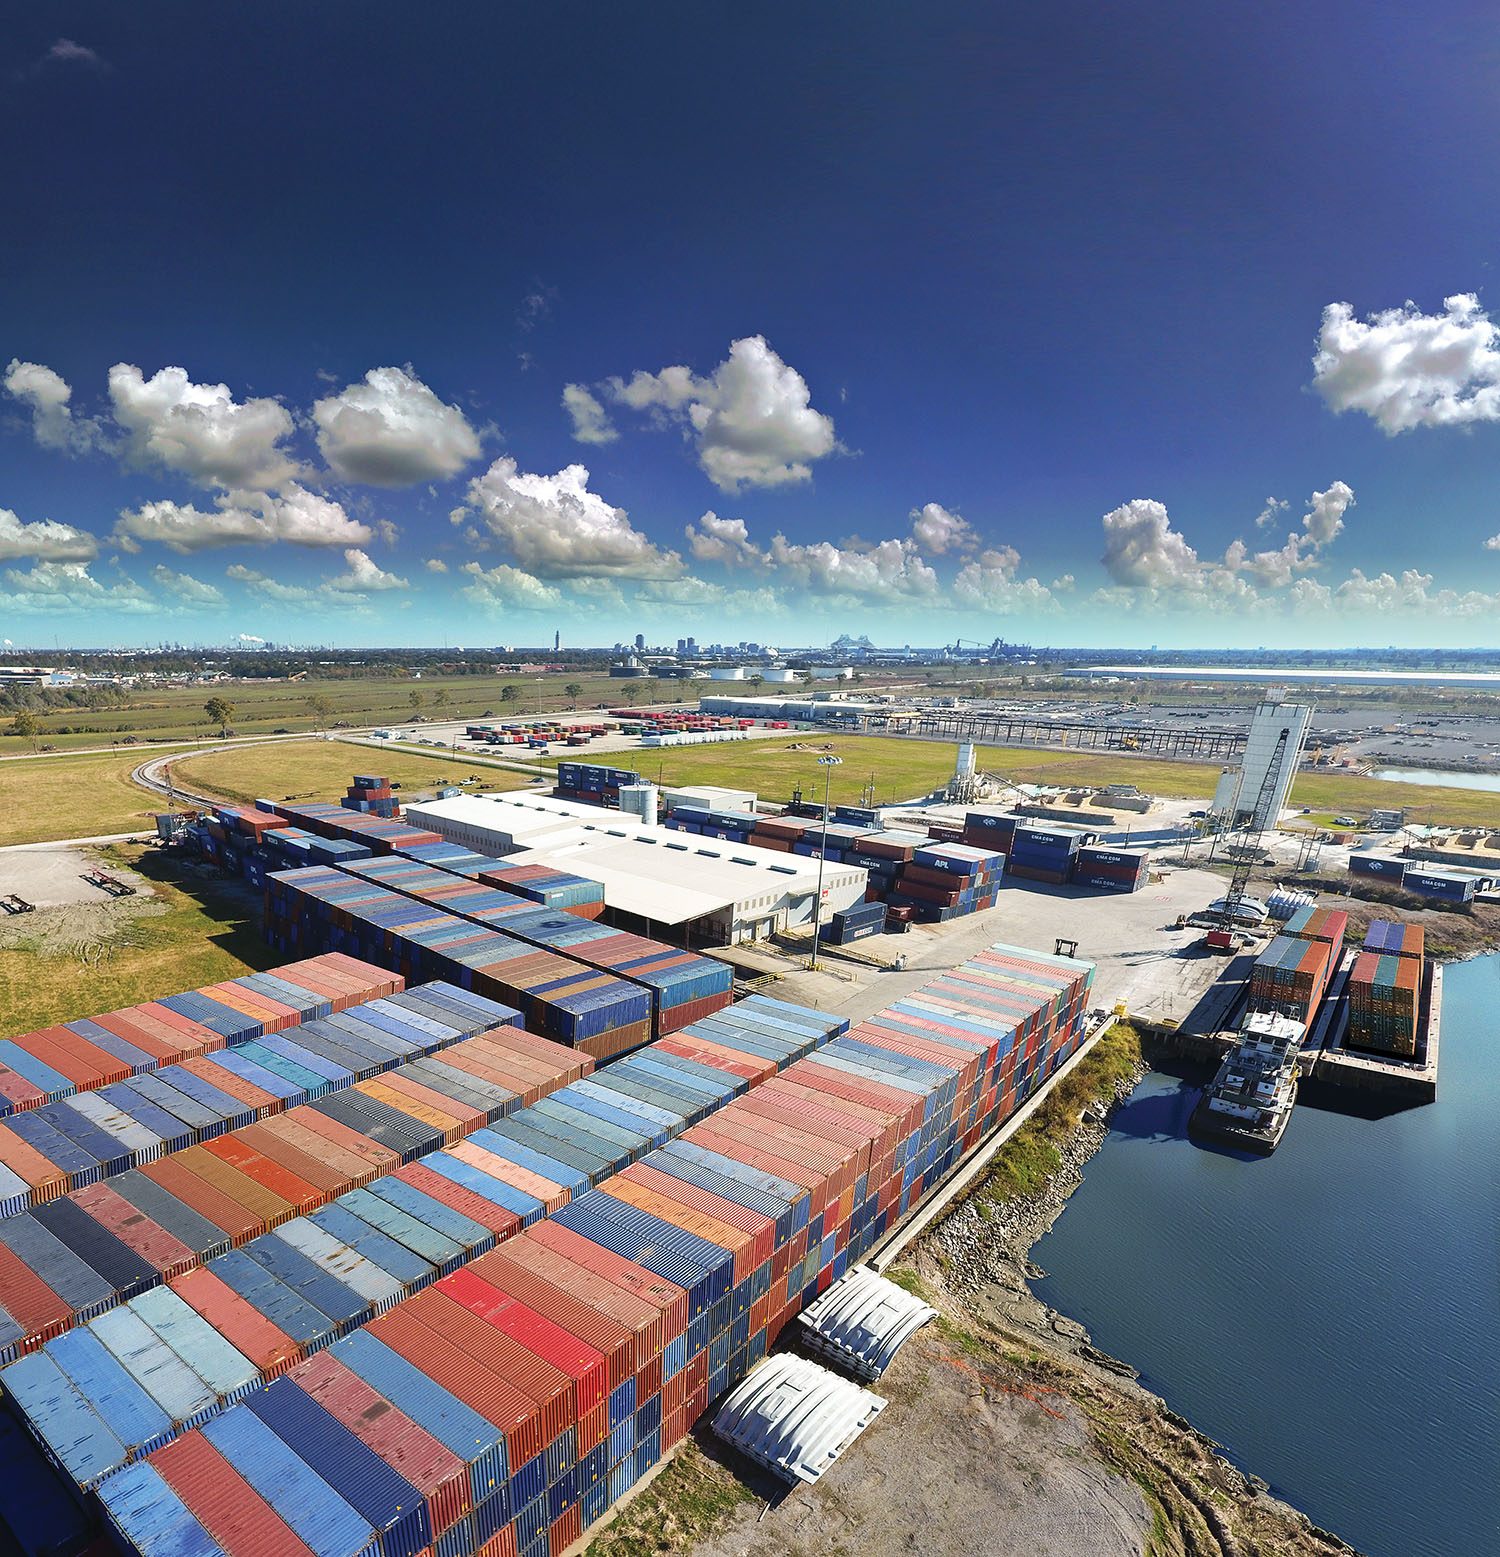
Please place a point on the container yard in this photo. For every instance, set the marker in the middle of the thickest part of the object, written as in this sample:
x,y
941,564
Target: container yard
x,y
465,1300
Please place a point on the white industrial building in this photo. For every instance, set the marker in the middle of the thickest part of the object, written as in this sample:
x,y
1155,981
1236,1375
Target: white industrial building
x,y
678,886
1239,789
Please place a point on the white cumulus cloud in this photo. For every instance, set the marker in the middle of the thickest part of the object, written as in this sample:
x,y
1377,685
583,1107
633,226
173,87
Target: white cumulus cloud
x,y
435,565
938,531
887,568
200,430
362,575
47,395
1141,548
1321,525
990,583
191,591
1406,369
1493,544
751,421
70,587
591,423
557,528
505,588
393,431
294,515
44,540
725,541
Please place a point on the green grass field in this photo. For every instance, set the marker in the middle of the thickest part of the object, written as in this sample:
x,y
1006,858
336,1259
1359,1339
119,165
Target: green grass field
x,y
72,797
901,769
321,770
208,933
262,708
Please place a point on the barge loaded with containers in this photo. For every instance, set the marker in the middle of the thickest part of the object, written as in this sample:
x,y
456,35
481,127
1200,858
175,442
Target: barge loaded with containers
x,y
471,1319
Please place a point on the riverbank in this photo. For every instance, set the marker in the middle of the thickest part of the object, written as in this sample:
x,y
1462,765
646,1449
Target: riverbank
x,y
975,1267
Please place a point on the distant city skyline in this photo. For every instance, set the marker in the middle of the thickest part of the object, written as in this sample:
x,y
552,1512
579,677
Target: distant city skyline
x,y
1076,326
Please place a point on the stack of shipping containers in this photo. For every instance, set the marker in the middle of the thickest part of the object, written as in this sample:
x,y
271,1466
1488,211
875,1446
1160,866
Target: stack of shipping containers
x,y
683,986
371,794
563,999
94,1052
1044,852
1385,990
503,1406
1289,977
136,1227
593,783
381,834
945,880
80,1140
1112,870
1319,924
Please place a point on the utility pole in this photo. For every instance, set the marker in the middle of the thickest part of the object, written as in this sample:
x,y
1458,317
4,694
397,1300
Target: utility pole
x,y
828,763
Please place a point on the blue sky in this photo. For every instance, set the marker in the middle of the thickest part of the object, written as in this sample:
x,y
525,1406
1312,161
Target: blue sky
x,y
1087,324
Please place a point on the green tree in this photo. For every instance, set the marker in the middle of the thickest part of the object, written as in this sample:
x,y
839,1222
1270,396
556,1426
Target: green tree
x,y
26,726
220,711
414,697
440,698
321,710
508,694
574,689
757,681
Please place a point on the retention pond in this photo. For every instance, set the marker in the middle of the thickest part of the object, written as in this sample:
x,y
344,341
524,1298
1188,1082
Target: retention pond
x,y
1329,1314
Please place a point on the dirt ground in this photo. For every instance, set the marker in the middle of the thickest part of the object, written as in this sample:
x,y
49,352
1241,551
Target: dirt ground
x,y
51,876
71,917
1005,1470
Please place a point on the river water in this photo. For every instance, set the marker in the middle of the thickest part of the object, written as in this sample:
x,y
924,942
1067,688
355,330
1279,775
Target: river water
x,y
1488,782
1330,1314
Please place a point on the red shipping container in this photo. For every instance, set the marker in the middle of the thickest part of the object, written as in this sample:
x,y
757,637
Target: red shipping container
x,y
531,1374
208,1200
494,1397
635,1279
135,1229
583,1364
563,1531
240,1154
435,1471
503,1223
218,1497
518,1272
239,1322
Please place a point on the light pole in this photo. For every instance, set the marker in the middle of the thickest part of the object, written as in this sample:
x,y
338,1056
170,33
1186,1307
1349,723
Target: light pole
x,y
828,764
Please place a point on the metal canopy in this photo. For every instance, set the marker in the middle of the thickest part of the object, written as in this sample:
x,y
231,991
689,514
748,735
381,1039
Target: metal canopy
x,y
862,1321
794,1417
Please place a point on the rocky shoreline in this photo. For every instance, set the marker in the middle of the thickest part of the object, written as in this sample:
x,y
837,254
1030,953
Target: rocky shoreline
x,y
979,1259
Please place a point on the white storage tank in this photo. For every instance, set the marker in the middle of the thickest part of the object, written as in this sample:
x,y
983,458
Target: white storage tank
x,y
639,800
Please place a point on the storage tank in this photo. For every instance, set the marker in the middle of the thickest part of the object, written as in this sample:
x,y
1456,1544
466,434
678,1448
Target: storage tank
x,y
639,800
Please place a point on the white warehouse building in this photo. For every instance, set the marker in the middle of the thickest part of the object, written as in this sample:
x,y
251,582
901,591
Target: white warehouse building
x,y
676,886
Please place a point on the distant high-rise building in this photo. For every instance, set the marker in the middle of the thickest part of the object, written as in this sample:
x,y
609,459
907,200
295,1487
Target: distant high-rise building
x,y
640,640
682,645
557,640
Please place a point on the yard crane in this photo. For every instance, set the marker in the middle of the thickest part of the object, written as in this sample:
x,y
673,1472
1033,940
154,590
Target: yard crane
x,y
1221,938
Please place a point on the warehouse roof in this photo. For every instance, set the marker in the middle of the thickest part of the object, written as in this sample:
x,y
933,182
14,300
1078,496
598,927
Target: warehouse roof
x,y
652,871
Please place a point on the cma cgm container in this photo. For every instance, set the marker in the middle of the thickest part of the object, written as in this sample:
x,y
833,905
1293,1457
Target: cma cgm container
x,y
1318,924
1384,996
1289,978
1449,886
1112,870
1386,938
